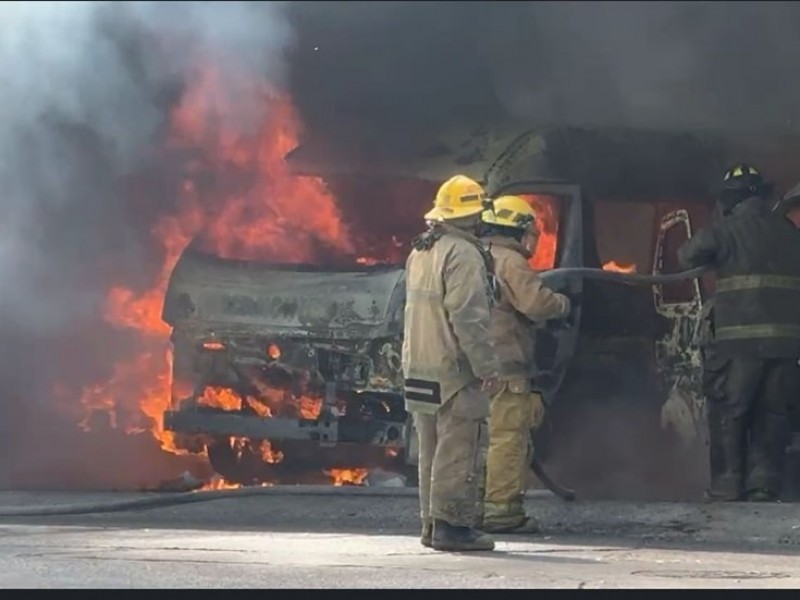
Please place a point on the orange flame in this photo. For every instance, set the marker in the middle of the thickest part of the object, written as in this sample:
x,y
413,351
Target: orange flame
x,y
310,408
269,455
347,476
546,208
278,216
220,398
619,268
217,483
239,200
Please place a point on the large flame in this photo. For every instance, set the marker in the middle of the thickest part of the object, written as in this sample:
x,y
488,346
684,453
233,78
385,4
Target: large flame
x,y
262,211
238,199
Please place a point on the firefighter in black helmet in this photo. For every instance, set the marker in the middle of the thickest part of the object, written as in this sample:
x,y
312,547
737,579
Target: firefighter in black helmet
x,y
740,182
751,370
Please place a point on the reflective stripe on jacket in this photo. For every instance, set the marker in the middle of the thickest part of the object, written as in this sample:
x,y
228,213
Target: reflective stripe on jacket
x,y
758,307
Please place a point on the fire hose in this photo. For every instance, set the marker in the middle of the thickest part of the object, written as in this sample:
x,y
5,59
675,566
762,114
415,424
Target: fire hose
x,y
562,492
627,278
173,499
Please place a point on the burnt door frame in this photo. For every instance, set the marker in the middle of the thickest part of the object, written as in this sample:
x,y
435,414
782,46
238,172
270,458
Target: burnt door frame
x,y
676,349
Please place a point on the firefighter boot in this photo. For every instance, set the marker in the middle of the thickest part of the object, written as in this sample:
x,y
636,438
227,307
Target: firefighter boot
x,y
766,458
726,448
427,534
453,538
761,495
525,524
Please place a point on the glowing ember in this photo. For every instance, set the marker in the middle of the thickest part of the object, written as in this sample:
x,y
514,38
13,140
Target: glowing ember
x,y
619,268
269,455
347,476
310,408
261,409
279,402
546,209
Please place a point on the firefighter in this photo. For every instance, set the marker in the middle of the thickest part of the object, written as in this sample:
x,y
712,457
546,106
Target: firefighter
x,y
510,233
753,372
449,364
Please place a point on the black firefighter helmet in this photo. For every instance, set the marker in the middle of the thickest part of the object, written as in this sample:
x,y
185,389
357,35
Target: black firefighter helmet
x,y
741,182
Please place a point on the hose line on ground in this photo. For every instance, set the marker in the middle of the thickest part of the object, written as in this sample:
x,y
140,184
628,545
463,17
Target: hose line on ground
x,y
165,499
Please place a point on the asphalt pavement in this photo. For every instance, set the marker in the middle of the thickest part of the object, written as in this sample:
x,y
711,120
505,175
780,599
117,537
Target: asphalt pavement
x,y
349,537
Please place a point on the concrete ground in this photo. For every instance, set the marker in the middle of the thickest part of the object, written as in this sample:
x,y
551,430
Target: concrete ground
x,y
308,537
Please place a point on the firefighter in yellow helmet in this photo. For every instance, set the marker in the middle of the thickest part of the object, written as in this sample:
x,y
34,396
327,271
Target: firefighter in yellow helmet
x,y
510,234
449,364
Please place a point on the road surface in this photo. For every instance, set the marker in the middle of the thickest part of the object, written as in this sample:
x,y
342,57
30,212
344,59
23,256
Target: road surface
x,y
345,538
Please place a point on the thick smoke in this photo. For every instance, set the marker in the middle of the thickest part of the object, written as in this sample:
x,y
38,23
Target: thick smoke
x,y
727,66
87,93
86,90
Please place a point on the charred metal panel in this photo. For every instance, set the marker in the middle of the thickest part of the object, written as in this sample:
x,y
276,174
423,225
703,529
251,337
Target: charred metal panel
x,y
237,297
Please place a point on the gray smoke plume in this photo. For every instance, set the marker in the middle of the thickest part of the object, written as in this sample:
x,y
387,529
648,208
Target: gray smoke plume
x,y
86,90
702,65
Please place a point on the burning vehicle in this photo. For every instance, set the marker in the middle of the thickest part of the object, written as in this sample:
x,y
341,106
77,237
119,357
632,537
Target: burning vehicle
x,y
279,367
310,359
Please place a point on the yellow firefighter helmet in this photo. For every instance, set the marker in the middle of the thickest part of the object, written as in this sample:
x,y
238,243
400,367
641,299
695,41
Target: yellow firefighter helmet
x,y
510,211
457,197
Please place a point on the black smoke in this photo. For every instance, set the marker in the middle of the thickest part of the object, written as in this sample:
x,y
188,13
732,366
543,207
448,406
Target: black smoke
x,y
724,66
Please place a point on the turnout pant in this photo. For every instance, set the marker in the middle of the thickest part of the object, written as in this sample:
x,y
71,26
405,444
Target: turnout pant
x,y
513,413
749,427
452,447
